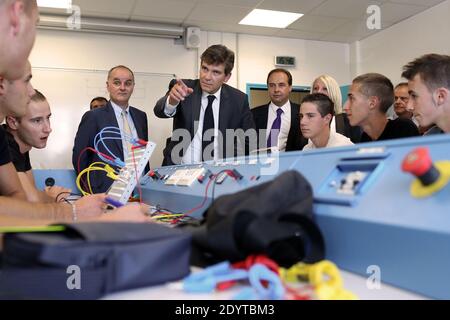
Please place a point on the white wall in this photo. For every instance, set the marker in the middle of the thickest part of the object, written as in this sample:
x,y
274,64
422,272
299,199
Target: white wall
x,y
60,58
99,51
227,39
388,51
313,58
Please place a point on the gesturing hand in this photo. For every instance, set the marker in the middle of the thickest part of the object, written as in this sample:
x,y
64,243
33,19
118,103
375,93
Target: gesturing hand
x,y
179,92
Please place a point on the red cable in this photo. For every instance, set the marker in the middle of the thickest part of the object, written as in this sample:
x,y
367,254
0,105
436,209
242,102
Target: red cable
x,y
254,259
296,294
213,177
249,262
95,151
199,206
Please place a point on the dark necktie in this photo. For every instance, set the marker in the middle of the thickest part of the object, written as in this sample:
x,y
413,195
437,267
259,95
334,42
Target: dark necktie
x,y
208,123
275,130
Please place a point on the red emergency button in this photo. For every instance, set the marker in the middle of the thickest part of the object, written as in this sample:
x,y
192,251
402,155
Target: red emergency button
x,y
418,162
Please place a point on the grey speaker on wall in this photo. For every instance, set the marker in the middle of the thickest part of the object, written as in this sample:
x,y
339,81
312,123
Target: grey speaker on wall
x,y
192,38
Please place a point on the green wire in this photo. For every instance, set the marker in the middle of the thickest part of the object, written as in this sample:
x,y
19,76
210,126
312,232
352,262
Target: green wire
x,y
31,229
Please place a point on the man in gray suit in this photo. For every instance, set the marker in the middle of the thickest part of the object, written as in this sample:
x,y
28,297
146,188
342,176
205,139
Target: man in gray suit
x,y
203,112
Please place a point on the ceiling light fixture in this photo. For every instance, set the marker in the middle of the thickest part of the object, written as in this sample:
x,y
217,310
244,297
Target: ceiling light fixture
x,y
270,18
59,4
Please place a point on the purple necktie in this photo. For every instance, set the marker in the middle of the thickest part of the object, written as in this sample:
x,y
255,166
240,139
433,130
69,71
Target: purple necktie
x,y
275,130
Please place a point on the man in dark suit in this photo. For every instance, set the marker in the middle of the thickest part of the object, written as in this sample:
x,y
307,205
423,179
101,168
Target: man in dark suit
x,y
206,113
117,113
279,119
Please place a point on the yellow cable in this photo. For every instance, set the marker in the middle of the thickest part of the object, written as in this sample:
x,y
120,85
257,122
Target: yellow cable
x,y
168,216
88,170
324,276
110,172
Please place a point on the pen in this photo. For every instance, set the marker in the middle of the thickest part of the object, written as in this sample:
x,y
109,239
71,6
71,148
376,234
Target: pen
x,y
113,202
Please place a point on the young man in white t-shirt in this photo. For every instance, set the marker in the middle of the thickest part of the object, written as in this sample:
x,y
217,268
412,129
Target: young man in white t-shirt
x,y
316,113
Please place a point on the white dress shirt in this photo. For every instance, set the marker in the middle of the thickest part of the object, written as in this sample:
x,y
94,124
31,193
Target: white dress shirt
x,y
118,112
193,153
333,125
335,140
285,123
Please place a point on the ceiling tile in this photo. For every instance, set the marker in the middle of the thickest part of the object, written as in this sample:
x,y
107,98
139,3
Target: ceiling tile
x,y
234,28
427,3
163,9
156,19
340,38
218,13
239,3
287,33
256,30
344,8
317,23
328,20
103,7
397,12
354,28
299,6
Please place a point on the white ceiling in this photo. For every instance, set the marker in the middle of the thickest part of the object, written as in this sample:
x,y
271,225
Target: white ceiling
x,y
326,20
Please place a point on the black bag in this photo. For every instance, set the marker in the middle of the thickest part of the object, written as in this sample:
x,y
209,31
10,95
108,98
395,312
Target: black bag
x,y
111,257
274,218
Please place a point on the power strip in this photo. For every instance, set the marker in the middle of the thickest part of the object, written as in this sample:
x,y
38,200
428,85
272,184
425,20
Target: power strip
x,y
122,188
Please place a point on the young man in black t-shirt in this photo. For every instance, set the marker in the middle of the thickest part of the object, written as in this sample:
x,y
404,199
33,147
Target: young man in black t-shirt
x,y
394,129
18,20
21,161
5,158
27,132
429,90
14,97
369,97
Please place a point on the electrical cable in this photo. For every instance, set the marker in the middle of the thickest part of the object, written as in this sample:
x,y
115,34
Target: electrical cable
x,y
110,173
212,179
68,193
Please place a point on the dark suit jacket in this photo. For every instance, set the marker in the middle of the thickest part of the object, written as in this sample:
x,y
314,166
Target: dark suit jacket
x,y
295,140
92,123
234,114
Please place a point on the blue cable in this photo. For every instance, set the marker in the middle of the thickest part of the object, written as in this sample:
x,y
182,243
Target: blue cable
x,y
118,132
100,138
